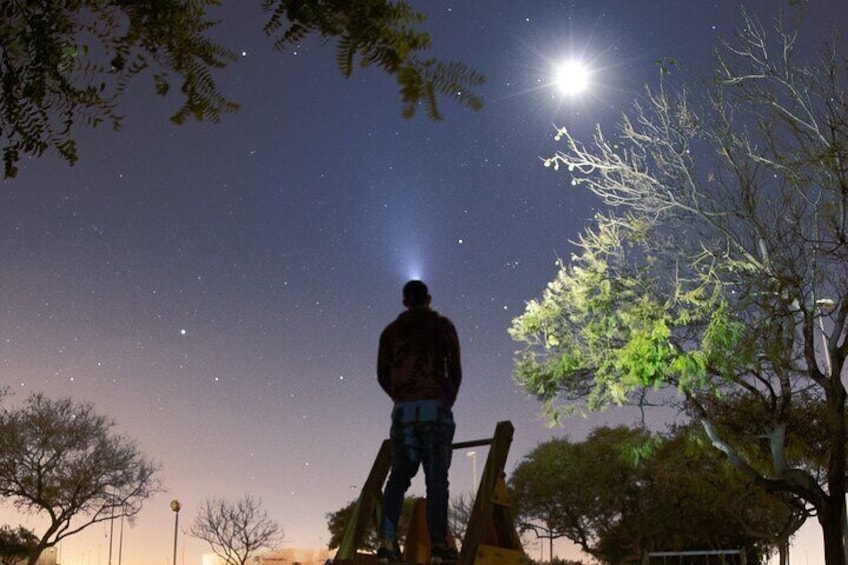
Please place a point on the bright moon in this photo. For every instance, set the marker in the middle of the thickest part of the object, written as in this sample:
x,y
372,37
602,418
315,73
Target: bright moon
x,y
572,77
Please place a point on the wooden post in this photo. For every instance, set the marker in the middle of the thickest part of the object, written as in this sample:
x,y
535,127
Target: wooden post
x,y
491,538
366,507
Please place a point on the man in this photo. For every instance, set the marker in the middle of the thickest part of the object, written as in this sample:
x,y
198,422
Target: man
x,y
418,365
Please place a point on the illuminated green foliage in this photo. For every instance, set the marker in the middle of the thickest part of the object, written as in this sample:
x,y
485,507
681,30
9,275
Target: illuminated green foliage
x,y
607,328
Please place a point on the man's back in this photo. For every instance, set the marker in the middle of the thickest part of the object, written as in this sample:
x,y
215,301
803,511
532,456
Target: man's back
x,y
419,357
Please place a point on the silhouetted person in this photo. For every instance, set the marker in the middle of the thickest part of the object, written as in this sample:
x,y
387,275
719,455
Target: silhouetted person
x,y
418,365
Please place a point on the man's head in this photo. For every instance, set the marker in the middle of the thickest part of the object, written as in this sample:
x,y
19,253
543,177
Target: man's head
x,y
415,294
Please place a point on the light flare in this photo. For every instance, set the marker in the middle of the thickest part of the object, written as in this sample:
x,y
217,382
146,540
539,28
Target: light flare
x,y
572,77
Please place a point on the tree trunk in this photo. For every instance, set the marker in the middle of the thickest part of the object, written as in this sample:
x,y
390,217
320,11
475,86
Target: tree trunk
x,y
34,555
783,552
832,533
845,534
834,548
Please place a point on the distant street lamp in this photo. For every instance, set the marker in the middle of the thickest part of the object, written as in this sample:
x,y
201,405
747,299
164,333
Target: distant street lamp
x,y
544,533
121,541
473,456
175,506
111,531
822,304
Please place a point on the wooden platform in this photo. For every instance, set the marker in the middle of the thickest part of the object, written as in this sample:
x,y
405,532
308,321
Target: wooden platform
x,y
490,538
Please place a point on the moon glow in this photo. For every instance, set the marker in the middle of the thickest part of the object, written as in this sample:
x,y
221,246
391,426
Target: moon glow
x,y
572,77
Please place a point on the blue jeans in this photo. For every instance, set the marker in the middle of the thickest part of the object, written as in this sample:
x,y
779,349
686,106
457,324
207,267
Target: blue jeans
x,y
421,434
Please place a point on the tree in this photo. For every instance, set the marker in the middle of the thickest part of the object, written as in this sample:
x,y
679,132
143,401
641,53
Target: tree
x,y
736,417
68,63
15,544
380,33
578,490
719,269
696,500
61,459
236,530
459,515
338,521
622,493
542,495
337,524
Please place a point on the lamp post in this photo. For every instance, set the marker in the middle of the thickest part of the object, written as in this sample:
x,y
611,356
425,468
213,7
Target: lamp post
x,y
473,456
111,531
175,506
544,533
121,541
822,304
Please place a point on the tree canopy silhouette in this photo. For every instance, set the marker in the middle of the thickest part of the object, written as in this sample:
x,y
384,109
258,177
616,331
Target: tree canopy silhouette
x,y
15,544
61,460
623,492
65,64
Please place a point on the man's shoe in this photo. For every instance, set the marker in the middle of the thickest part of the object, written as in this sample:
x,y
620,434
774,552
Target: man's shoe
x,y
387,556
445,555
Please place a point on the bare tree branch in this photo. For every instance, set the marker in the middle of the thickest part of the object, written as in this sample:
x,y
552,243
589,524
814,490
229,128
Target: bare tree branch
x,y
236,530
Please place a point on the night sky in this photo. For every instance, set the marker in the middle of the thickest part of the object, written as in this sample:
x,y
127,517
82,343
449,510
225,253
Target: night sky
x,y
219,289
